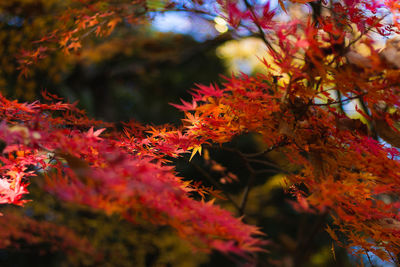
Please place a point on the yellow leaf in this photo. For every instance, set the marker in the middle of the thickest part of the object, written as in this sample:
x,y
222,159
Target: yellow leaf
x,y
195,150
111,24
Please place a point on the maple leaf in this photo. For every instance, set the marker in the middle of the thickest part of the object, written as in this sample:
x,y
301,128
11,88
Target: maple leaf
x,y
193,119
95,134
74,46
186,105
206,91
12,195
196,149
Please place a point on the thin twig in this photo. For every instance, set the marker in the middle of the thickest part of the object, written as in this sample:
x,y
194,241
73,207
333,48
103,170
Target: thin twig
x,y
339,96
268,171
369,258
269,164
214,183
86,34
246,193
269,149
365,109
252,173
260,30
337,102
247,161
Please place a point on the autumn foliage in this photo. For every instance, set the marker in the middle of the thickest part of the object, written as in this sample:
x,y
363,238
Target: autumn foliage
x,y
342,166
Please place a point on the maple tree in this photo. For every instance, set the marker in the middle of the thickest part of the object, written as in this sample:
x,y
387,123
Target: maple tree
x,y
337,166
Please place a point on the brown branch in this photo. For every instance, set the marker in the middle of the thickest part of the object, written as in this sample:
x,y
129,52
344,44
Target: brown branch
x,y
364,108
369,258
340,101
339,96
252,172
246,193
250,182
269,149
270,164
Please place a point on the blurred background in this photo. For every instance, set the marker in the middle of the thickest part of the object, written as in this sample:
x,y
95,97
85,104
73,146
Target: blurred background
x,y
133,75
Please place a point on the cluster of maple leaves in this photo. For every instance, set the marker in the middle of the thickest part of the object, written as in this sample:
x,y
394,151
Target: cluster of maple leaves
x,y
297,108
118,173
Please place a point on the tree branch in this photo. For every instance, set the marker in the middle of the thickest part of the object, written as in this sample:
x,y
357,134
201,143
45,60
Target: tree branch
x,y
215,183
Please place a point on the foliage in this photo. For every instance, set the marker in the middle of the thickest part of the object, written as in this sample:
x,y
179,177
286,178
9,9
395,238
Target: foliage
x,y
22,23
111,239
122,175
335,166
